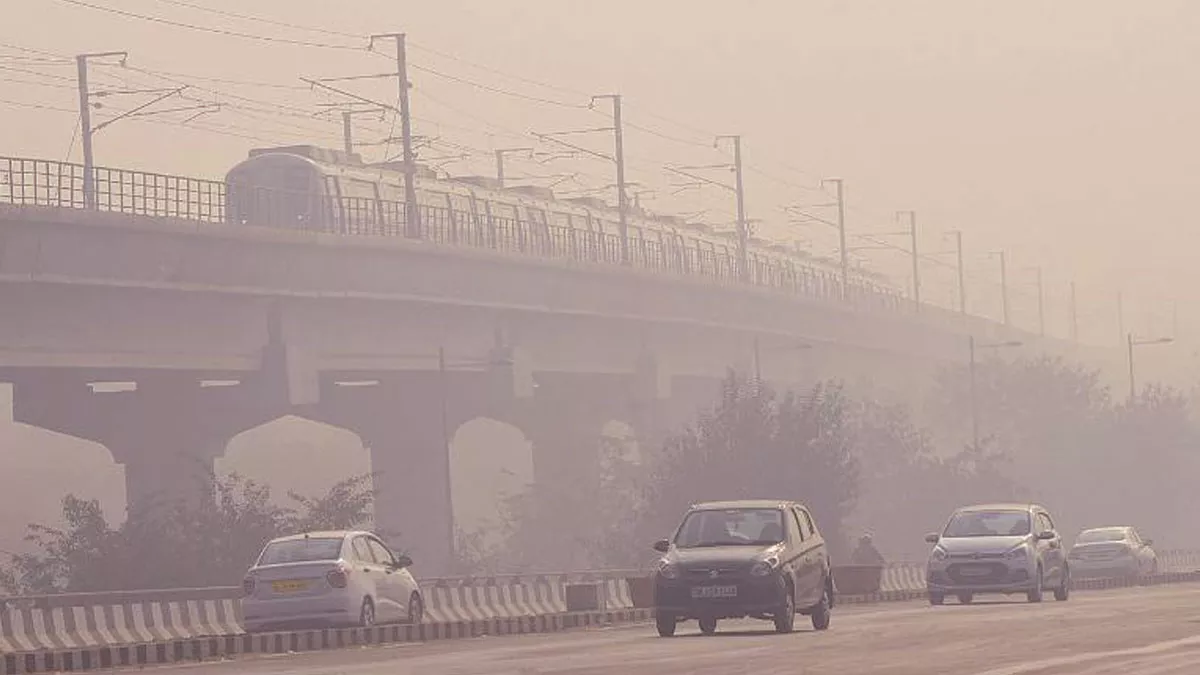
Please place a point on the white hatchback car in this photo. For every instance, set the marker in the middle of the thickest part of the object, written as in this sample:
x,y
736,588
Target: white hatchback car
x,y
329,579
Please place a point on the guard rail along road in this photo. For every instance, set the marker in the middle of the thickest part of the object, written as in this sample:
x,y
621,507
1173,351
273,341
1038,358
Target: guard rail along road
x,y
85,631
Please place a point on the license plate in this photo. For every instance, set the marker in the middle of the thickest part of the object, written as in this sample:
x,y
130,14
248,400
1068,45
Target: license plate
x,y
288,586
974,571
714,592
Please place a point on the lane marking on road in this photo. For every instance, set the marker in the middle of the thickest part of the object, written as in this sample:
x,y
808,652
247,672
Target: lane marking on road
x,y
1077,659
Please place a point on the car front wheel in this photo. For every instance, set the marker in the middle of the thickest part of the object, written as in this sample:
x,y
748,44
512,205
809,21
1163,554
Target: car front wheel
x,y
366,615
821,613
1035,593
665,624
1063,592
785,618
416,610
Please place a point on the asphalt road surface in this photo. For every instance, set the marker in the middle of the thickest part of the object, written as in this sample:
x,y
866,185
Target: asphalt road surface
x,y
1152,631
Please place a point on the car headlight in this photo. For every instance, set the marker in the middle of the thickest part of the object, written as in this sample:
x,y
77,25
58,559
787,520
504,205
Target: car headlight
x,y
764,567
938,554
1019,553
668,570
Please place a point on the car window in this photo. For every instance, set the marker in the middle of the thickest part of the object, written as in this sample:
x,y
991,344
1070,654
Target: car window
x,y
812,529
361,550
796,530
301,550
1106,534
1049,521
1134,536
382,555
731,527
998,523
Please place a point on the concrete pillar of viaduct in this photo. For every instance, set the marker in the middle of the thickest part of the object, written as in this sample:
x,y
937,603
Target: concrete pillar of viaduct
x,y
407,420
166,433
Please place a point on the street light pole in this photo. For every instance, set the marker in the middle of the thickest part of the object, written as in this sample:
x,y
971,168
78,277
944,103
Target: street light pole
x,y
1130,344
962,277
971,347
841,226
974,397
444,386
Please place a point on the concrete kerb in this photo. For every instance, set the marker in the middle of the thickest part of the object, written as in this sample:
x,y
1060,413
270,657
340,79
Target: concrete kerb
x,y
231,646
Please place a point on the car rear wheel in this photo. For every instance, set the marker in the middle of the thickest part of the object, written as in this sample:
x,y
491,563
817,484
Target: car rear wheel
x,y
1035,593
708,626
1063,592
665,625
965,598
416,609
821,613
785,617
366,615
936,599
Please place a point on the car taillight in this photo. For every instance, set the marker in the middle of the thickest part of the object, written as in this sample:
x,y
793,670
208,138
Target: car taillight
x,y
248,585
337,578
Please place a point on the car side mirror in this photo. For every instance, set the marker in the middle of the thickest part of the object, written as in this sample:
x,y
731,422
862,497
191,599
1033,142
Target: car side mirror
x,y
932,538
662,545
403,561
1047,535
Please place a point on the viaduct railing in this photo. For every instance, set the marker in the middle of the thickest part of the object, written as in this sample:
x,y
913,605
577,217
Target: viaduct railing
x,y
48,183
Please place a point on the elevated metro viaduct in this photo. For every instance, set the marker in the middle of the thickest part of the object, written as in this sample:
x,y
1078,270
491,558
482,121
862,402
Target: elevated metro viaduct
x,y
555,348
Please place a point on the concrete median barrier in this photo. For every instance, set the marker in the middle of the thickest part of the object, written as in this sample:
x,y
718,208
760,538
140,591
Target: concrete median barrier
x,y
214,648
103,630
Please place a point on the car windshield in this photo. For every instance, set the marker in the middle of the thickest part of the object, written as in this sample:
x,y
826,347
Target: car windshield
x,y
301,550
1093,536
988,524
731,527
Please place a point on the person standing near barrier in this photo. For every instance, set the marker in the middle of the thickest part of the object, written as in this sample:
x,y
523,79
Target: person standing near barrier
x,y
866,553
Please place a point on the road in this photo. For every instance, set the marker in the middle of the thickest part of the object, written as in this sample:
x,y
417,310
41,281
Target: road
x,y
1152,631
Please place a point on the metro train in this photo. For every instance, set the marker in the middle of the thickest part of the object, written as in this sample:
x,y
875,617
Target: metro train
x,y
325,190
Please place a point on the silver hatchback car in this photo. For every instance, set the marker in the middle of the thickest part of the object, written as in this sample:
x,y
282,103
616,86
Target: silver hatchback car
x,y
329,579
998,548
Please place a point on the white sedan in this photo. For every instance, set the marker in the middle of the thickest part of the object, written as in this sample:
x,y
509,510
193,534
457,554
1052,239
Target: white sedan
x,y
329,579
1112,552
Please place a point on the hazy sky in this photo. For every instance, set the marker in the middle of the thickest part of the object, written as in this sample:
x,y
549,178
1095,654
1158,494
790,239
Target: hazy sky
x,y
1063,132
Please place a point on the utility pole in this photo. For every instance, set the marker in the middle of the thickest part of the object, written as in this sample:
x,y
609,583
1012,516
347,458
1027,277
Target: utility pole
x,y
916,257
742,231
1074,316
962,276
622,198
412,215
347,132
500,161
1041,304
1121,314
1004,287
841,226
85,123
974,394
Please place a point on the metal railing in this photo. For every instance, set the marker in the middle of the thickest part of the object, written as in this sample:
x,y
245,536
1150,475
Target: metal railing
x,y
48,183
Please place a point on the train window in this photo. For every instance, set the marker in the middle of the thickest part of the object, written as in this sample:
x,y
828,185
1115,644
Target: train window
x,y
560,220
357,189
536,216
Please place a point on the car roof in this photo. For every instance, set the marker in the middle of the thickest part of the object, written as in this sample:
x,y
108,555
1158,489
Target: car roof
x,y
1000,507
1106,527
744,504
321,534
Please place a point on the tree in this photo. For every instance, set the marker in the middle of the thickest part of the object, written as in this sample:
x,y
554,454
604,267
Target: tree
x,y
176,544
757,444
